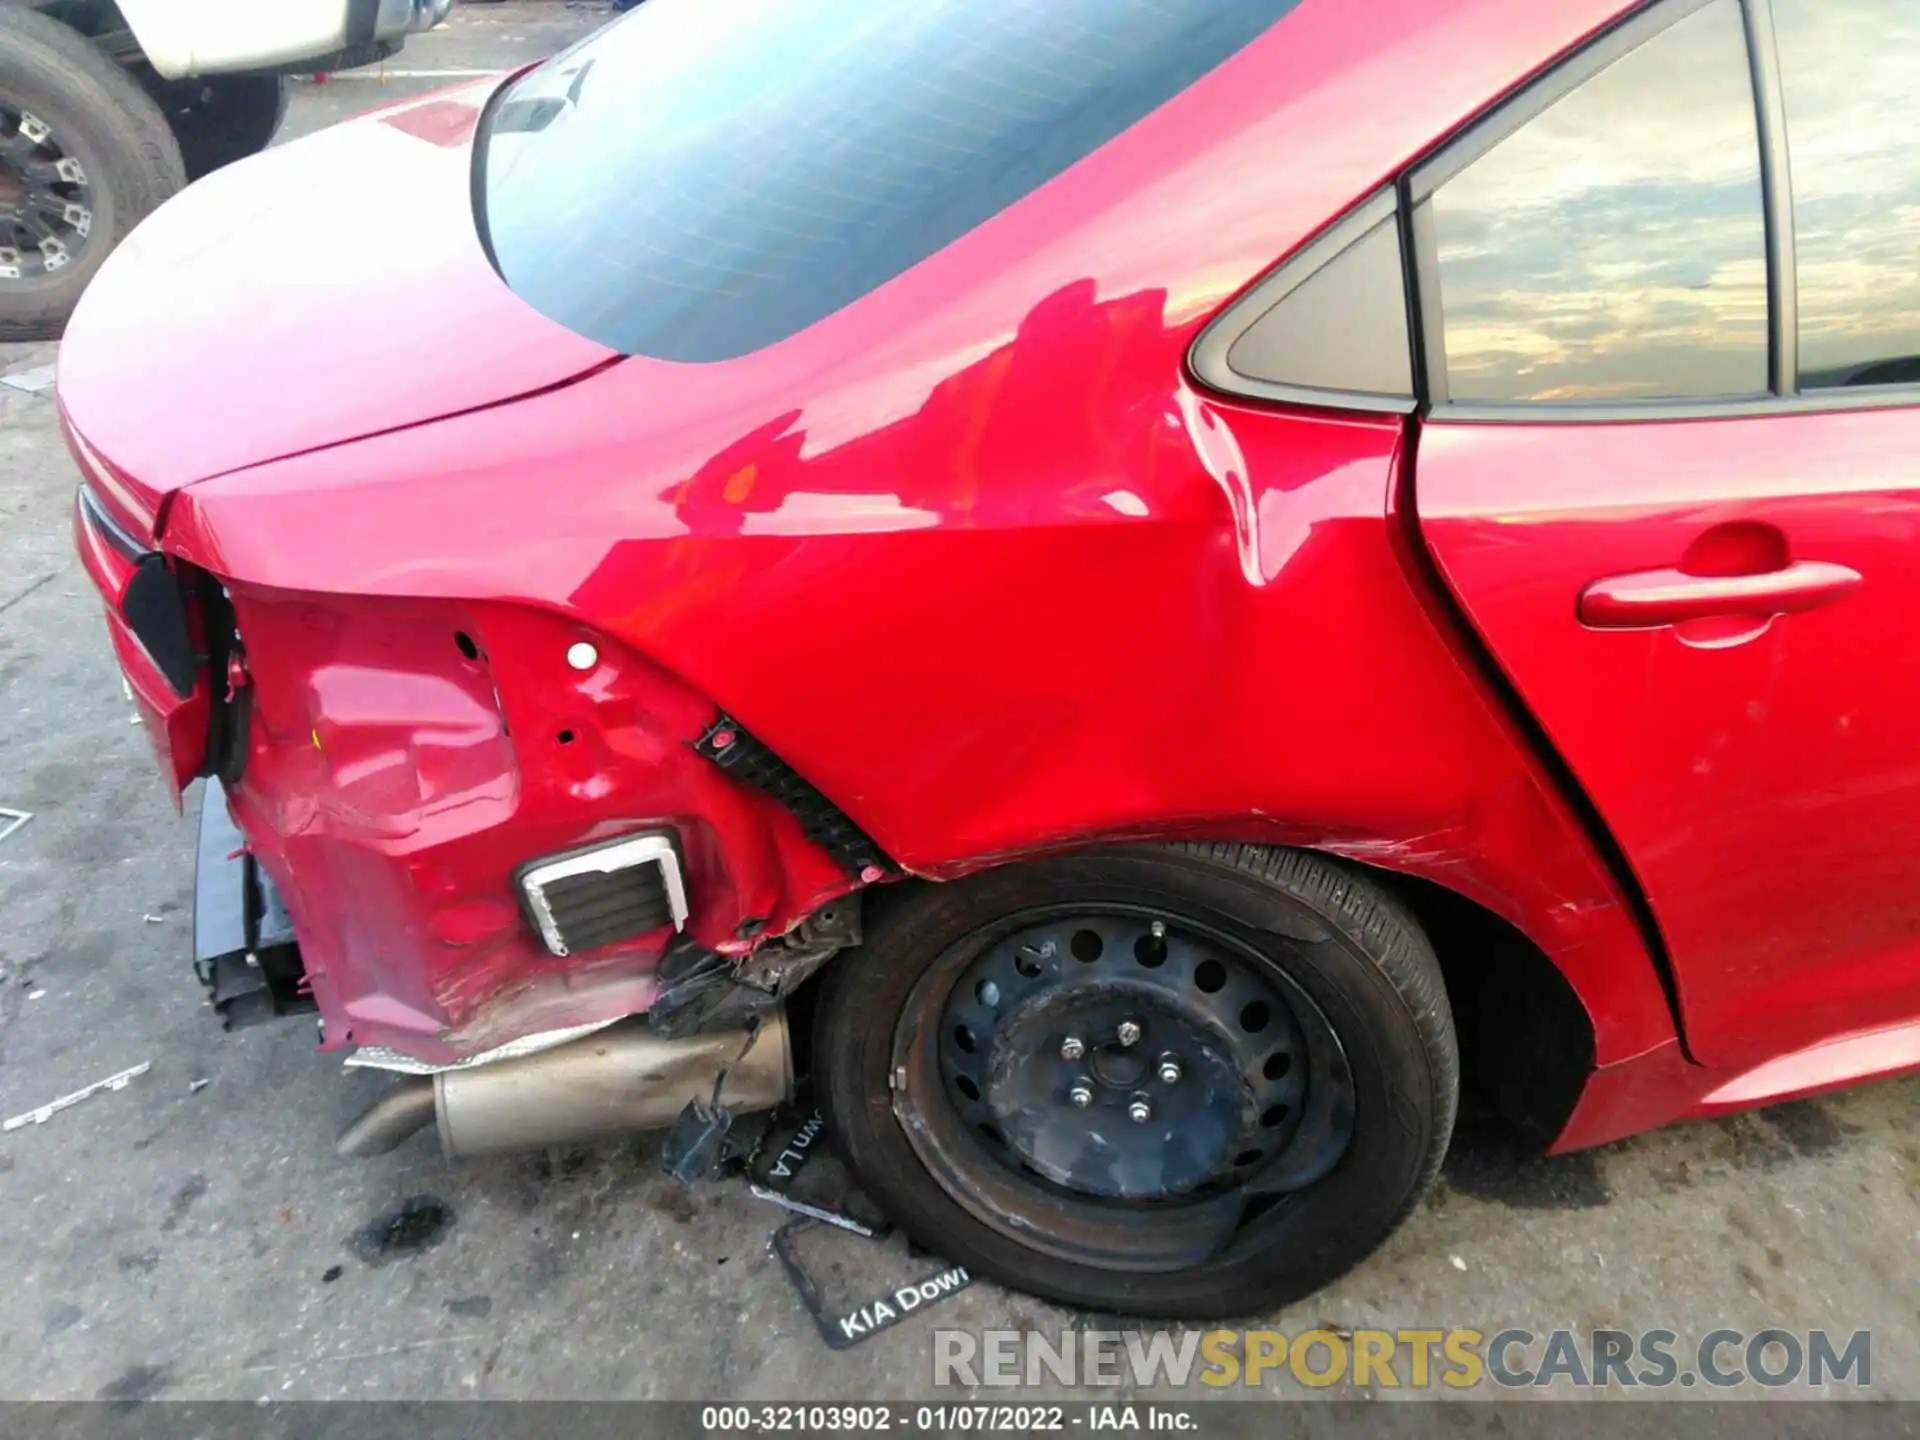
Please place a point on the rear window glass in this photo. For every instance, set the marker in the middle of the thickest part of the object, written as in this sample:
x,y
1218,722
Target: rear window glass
x,y
705,177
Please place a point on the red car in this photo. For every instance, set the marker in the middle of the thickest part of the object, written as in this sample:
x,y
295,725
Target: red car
x,y
1192,569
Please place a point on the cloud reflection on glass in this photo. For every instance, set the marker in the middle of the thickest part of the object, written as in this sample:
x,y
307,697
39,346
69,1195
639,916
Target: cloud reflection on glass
x,y
1850,70
1614,247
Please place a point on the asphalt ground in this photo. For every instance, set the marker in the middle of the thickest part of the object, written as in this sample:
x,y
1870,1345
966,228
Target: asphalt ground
x,y
180,1239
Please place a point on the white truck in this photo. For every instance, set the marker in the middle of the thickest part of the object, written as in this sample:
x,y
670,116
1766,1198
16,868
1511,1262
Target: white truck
x,y
109,106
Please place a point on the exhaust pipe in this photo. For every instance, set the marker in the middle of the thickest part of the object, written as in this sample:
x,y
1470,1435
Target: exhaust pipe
x,y
390,1119
612,1082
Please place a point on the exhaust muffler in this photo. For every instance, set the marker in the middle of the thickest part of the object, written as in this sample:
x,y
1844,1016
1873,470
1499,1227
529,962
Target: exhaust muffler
x,y
609,1083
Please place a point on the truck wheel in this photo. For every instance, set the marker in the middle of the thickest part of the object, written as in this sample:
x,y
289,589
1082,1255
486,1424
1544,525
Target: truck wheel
x,y
85,154
223,118
1187,1081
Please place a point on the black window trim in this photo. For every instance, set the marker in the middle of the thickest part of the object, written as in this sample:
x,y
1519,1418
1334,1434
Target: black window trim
x,y
1784,397
1776,194
1207,358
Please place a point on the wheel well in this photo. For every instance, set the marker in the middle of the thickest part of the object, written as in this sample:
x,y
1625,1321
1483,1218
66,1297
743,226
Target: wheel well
x,y
96,19
1526,1041
101,22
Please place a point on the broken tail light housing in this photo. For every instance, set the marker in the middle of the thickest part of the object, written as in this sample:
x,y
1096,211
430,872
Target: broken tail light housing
x,y
141,586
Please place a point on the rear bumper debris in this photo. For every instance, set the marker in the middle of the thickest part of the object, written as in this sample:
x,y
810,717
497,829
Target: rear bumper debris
x,y
244,950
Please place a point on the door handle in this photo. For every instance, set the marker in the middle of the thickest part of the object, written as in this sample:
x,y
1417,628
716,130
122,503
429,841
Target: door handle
x,y
1650,599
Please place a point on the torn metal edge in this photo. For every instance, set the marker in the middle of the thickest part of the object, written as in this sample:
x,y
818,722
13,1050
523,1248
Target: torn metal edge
x,y
378,1057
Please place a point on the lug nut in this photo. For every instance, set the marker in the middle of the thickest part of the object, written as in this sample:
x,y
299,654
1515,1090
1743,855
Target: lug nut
x,y
1072,1048
1169,1069
1159,929
1129,1033
1081,1095
1140,1110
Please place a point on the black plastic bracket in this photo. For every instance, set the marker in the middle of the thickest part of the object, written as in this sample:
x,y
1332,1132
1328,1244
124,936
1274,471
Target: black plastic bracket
x,y
157,615
727,744
693,1145
244,948
701,990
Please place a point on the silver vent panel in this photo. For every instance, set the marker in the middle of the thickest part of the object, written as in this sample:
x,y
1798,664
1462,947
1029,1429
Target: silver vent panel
x,y
605,893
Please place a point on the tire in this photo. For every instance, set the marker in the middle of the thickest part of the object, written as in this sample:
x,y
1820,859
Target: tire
x,y
100,118
1326,935
219,119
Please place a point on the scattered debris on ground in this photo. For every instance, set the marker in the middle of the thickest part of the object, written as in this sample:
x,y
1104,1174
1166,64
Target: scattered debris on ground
x,y
855,1275
46,1112
31,382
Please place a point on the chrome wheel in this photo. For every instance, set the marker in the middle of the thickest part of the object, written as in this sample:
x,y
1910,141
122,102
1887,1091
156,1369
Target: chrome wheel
x,y
46,209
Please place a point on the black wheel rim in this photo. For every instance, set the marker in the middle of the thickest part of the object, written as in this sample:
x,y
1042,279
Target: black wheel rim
x,y
1122,1086
46,205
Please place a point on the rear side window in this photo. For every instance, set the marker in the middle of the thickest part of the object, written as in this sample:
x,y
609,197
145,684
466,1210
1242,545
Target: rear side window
x,y
706,177
1328,327
1613,247
1850,73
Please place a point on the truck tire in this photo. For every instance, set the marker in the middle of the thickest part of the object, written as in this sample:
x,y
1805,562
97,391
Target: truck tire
x,y
85,155
1186,1081
223,118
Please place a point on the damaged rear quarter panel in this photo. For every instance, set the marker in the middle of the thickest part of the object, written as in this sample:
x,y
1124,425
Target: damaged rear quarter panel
x,y
974,557
394,784
1210,635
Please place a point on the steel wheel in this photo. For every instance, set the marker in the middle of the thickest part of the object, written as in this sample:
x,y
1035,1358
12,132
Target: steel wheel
x,y
46,207
1128,1087
970,1058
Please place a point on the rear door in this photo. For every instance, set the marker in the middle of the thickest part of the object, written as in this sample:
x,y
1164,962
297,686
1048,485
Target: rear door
x,y
1670,318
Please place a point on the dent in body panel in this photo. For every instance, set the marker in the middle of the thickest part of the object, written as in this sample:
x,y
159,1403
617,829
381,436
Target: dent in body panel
x,y
407,757
929,603
1243,657
959,638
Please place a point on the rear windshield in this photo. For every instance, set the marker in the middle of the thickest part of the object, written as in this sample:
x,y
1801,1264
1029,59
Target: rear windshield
x,y
705,177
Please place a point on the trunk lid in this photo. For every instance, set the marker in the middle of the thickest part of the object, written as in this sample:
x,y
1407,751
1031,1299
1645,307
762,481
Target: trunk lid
x,y
328,289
